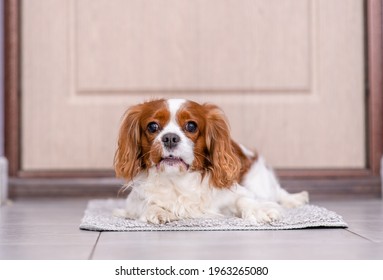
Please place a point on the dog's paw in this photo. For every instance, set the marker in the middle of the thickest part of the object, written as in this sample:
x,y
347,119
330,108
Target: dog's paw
x,y
269,214
158,215
262,212
120,213
294,200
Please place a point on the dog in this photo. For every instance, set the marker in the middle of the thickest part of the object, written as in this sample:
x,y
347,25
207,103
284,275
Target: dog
x,y
179,161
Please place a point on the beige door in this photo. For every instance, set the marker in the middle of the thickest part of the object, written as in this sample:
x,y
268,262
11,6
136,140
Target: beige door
x,y
288,73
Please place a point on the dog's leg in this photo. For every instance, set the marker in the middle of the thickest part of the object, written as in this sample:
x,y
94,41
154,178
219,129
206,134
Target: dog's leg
x,y
134,207
263,183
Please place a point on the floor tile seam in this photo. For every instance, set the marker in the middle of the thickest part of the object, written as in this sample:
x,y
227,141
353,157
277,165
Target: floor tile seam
x,y
91,255
361,236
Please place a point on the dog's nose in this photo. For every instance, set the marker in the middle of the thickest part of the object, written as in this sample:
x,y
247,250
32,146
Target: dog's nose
x,y
170,140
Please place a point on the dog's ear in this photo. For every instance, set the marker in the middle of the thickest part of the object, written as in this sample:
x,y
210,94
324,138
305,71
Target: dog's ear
x,y
127,159
225,163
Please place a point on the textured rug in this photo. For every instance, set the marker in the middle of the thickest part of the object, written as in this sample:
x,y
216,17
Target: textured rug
x,y
99,217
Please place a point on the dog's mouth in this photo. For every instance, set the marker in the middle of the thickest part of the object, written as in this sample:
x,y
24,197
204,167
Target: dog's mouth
x,y
174,162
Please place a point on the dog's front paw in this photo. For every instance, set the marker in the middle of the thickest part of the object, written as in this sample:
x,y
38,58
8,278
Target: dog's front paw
x,y
294,200
120,213
261,212
267,214
158,215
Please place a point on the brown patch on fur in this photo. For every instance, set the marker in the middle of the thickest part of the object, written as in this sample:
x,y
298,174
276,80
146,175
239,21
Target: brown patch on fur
x,y
246,161
135,141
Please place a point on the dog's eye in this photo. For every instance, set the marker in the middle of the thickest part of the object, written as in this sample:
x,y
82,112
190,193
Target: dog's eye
x,y
153,127
191,127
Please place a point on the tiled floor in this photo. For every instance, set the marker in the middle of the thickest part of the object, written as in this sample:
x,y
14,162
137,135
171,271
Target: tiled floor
x,y
48,229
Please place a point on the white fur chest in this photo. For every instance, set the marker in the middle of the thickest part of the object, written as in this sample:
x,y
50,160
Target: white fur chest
x,y
184,194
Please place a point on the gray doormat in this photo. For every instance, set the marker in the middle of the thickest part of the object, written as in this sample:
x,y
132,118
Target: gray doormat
x,y
99,217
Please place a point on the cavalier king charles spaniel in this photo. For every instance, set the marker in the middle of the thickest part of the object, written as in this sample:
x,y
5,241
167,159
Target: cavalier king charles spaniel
x,y
179,162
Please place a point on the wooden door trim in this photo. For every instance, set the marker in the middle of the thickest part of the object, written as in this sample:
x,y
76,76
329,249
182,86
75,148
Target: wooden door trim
x,y
374,104
12,75
374,73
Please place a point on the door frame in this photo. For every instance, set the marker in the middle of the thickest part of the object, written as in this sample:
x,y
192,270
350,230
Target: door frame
x,y
346,181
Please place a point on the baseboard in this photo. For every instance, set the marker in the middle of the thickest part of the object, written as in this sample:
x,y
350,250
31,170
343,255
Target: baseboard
x,y
111,187
64,187
337,188
381,174
3,180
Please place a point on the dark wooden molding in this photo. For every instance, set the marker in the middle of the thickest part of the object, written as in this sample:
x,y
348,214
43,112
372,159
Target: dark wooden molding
x,y
375,84
111,187
318,179
12,84
66,187
66,174
336,187
323,173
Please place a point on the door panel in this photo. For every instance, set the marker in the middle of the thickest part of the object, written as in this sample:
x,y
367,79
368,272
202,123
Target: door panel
x,y
192,45
289,75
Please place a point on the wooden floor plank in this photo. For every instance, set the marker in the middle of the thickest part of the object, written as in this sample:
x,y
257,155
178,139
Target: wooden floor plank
x,y
262,251
44,252
368,229
290,244
48,229
364,217
44,229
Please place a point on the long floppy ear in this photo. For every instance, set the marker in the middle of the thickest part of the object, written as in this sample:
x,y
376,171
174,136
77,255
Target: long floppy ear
x,y
225,164
127,159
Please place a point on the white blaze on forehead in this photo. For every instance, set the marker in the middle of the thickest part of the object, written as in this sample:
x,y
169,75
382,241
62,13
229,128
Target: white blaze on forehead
x,y
173,126
174,106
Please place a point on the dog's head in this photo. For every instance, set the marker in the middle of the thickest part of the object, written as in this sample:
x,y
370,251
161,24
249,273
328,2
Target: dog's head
x,y
176,136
